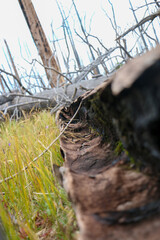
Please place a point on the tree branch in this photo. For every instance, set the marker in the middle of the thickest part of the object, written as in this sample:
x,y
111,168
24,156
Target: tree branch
x,y
144,20
12,75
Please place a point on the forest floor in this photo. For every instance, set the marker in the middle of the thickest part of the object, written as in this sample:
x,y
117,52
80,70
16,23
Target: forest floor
x,y
32,204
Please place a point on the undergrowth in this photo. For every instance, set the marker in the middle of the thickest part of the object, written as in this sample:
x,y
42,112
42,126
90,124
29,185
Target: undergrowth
x,y
32,205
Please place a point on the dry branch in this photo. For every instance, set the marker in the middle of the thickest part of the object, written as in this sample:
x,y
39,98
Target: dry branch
x,y
53,69
17,79
144,20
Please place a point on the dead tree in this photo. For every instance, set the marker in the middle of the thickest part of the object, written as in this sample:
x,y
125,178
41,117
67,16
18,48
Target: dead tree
x,y
2,85
15,75
40,41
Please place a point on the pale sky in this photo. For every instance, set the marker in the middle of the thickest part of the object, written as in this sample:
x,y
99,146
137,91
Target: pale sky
x,y
13,25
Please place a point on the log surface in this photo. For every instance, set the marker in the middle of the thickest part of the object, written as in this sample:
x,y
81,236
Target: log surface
x,y
111,152
52,97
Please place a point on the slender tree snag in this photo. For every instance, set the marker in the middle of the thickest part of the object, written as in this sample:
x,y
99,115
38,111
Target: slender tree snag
x,y
40,41
13,64
2,85
112,154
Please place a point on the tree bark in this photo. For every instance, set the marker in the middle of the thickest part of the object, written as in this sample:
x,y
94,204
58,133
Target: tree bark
x,y
40,41
112,154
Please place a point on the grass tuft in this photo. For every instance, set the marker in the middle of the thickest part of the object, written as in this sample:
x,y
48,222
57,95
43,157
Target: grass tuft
x,y
32,204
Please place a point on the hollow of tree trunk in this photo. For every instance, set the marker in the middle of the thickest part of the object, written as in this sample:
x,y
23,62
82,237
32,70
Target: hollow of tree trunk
x,y
112,154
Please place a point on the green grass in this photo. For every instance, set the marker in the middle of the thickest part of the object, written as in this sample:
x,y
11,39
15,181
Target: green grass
x,y
32,204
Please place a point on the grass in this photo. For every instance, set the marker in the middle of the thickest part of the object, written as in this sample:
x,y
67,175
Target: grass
x,y
32,204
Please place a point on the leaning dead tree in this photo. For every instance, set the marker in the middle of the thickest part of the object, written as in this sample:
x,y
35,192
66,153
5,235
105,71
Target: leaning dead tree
x,y
112,154
41,42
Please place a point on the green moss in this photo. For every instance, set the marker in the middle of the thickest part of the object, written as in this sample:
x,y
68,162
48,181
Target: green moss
x,y
93,131
102,124
133,163
95,104
119,148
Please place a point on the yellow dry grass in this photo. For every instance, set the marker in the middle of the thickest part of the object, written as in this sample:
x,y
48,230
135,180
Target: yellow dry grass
x,y
32,204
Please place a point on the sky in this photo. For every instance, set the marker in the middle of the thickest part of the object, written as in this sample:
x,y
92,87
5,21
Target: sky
x,y
14,29
13,25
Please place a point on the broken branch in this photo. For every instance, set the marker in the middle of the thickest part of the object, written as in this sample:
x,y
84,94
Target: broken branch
x,y
144,20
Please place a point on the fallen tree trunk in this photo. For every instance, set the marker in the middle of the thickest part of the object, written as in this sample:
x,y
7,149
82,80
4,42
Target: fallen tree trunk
x,y
46,99
112,154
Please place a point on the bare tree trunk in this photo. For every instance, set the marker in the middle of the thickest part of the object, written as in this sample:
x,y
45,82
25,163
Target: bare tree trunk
x,y
4,81
13,65
1,83
40,41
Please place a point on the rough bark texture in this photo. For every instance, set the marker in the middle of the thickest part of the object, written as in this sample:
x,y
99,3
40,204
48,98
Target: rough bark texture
x,y
112,154
40,40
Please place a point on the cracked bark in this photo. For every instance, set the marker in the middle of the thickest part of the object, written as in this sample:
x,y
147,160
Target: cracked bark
x,y
40,41
112,154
